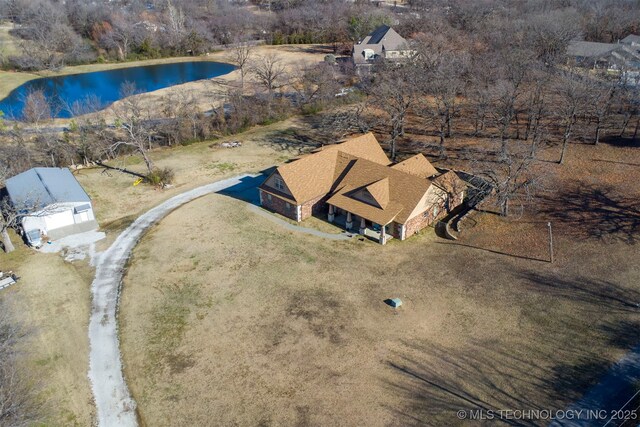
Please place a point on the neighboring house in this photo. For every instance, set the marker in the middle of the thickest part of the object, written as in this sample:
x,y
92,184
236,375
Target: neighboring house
x,y
631,40
359,188
382,43
52,202
623,56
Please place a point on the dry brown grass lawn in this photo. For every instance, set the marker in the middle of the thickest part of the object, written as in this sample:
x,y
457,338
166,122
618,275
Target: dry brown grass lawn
x,y
229,319
52,299
51,302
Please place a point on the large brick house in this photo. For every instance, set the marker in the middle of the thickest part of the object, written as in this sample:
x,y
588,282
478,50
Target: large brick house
x,y
358,187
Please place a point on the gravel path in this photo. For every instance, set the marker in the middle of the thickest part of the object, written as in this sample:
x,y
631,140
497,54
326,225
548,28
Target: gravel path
x,y
114,404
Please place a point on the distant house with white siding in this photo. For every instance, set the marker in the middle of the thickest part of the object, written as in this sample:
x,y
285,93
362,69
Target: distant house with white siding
x,y
51,201
384,43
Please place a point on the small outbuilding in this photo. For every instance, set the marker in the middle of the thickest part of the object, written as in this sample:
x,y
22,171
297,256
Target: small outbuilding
x,y
52,202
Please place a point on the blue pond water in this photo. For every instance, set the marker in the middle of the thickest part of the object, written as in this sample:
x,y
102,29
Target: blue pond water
x,y
64,91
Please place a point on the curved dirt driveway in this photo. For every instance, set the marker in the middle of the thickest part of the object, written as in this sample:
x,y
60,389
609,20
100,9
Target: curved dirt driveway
x,y
114,404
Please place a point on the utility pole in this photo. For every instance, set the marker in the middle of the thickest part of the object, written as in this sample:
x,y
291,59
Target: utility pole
x,y
550,243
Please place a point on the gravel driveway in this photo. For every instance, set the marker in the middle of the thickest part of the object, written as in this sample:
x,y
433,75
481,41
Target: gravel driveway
x,y
114,404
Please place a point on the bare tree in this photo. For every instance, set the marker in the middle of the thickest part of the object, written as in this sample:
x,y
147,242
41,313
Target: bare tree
x,y
394,93
37,107
133,124
176,23
19,406
513,176
121,36
270,72
601,96
185,120
241,55
572,91
313,84
441,83
9,218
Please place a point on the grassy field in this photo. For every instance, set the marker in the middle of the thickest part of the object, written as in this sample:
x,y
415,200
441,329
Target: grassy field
x,y
52,299
225,316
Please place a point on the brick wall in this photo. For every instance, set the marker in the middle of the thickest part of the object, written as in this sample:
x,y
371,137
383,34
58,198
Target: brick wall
x,y
426,218
313,206
278,205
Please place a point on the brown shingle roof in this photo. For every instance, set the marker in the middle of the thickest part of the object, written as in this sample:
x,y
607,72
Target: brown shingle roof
x,y
365,146
315,174
379,190
450,182
417,165
358,175
344,200
405,192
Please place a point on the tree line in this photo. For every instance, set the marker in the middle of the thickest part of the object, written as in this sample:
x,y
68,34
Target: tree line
x,y
53,33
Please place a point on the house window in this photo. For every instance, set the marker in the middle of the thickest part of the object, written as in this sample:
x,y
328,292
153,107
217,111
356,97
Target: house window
x,y
269,197
288,205
278,183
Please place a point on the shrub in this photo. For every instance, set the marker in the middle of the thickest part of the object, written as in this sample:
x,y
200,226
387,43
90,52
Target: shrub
x,y
161,176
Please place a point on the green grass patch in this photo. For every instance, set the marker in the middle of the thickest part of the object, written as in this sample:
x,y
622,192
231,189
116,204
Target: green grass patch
x,y
221,167
169,322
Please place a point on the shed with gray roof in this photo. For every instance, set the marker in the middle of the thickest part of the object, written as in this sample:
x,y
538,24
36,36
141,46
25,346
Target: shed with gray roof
x,y
52,201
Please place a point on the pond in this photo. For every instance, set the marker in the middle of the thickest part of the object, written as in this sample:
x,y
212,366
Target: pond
x,y
63,92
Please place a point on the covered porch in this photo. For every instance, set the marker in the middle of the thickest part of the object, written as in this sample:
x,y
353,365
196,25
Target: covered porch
x,y
357,224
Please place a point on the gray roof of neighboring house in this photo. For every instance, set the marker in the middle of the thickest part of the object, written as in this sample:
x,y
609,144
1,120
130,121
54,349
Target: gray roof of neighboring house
x,y
631,38
590,49
382,38
40,187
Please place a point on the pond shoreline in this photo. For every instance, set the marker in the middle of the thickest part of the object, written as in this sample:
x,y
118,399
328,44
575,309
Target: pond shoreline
x,y
75,84
11,80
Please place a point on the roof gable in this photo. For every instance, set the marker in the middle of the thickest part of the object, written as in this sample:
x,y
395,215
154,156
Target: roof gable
x,y
631,38
417,165
384,36
315,174
379,190
404,190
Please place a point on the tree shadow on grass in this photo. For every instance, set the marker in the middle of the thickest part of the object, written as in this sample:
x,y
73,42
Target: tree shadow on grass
x,y
439,383
293,138
619,141
494,251
596,212
546,370
593,293
484,376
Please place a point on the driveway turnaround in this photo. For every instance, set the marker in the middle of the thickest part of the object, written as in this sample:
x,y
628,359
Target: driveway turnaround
x,y
114,404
